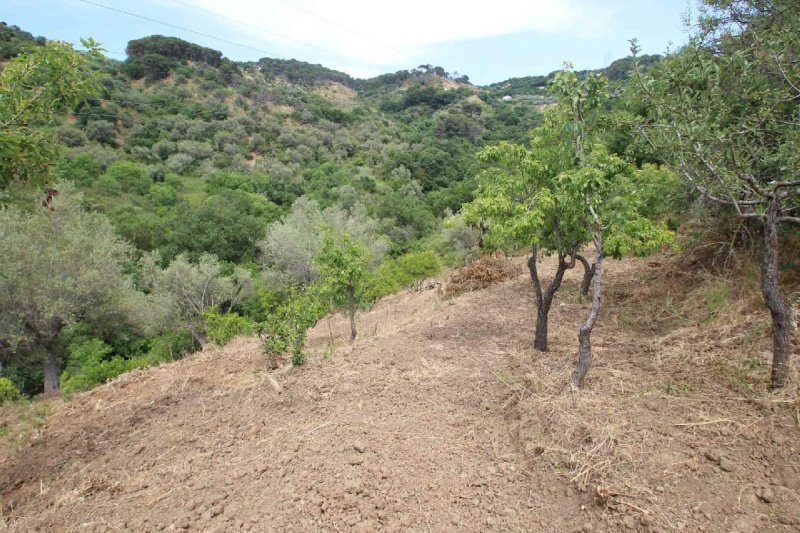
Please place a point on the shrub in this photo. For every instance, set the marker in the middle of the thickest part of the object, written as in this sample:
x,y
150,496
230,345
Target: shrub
x,y
89,366
71,136
221,328
163,195
179,162
169,346
395,274
128,176
8,391
102,131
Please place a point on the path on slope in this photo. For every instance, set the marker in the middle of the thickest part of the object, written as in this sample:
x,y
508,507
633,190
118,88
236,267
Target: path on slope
x,y
407,429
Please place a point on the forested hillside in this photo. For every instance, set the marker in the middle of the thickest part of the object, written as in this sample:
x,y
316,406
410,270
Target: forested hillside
x,y
190,198
193,157
558,302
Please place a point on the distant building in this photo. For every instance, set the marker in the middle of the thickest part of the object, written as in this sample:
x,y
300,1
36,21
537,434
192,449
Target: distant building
x,y
507,98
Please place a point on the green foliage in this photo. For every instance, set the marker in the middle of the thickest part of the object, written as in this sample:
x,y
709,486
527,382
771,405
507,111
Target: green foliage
x,y
91,362
34,89
395,274
8,391
343,267
174,48
126,176
221,328
89,365
284,331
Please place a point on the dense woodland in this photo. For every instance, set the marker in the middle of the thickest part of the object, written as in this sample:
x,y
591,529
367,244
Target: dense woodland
x,y
153,205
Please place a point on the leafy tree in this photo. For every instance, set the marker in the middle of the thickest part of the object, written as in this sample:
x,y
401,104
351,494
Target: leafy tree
x,y
725,112
102,131
34,88
292,244
193,289
603,195
227,225
343,268
60,266
522,199
287,325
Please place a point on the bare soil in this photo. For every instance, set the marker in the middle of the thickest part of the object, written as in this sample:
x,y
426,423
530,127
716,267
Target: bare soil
x,y
439,417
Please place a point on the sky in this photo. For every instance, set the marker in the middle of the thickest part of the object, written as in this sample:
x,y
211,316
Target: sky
x,y
488,41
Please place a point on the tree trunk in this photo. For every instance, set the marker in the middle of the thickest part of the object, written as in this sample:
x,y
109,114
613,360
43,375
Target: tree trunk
x,y
351,294
200,338
588,274
544,299
770,285
50,371
585,332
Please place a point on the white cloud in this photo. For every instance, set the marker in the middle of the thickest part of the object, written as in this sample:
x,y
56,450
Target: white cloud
x,y
365,37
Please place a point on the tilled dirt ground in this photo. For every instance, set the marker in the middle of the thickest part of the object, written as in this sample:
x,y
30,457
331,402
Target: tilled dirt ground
x,y
438,418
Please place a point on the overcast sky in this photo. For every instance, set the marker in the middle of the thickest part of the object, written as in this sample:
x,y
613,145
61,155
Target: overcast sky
x,y
489,41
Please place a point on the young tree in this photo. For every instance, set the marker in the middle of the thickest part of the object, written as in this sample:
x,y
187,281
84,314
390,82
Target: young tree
x,y
194,288
522,199
520,203
605,195
58,266
343,268
725,112
34,88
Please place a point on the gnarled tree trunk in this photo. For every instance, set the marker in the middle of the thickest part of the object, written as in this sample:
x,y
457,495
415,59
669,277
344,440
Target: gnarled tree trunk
x,y
351,295
770,286
50,371
588,274
544,299
585,332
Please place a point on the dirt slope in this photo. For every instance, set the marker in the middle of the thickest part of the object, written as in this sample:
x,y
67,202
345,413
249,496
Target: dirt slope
x,y
437,418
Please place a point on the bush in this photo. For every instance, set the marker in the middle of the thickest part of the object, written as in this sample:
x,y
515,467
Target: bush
x,y
89,366
395,274
221,328
170,346
8,391
179,162
102,131
163,195
71,136
128,177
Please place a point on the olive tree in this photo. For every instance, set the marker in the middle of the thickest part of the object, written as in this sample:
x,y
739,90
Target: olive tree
x,y
192,288
725,112
59,266
292,243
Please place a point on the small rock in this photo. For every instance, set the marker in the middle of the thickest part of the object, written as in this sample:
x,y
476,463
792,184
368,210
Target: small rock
x,y
660,488
766,494
508,512
354,486
726,465
713,456
359,446
629,522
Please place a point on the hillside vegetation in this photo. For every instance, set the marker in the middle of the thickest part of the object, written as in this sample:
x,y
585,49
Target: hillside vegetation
x,y
562,302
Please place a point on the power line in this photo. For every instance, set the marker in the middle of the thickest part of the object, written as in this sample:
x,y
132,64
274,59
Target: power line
x,y
262,30
182,28
351,31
